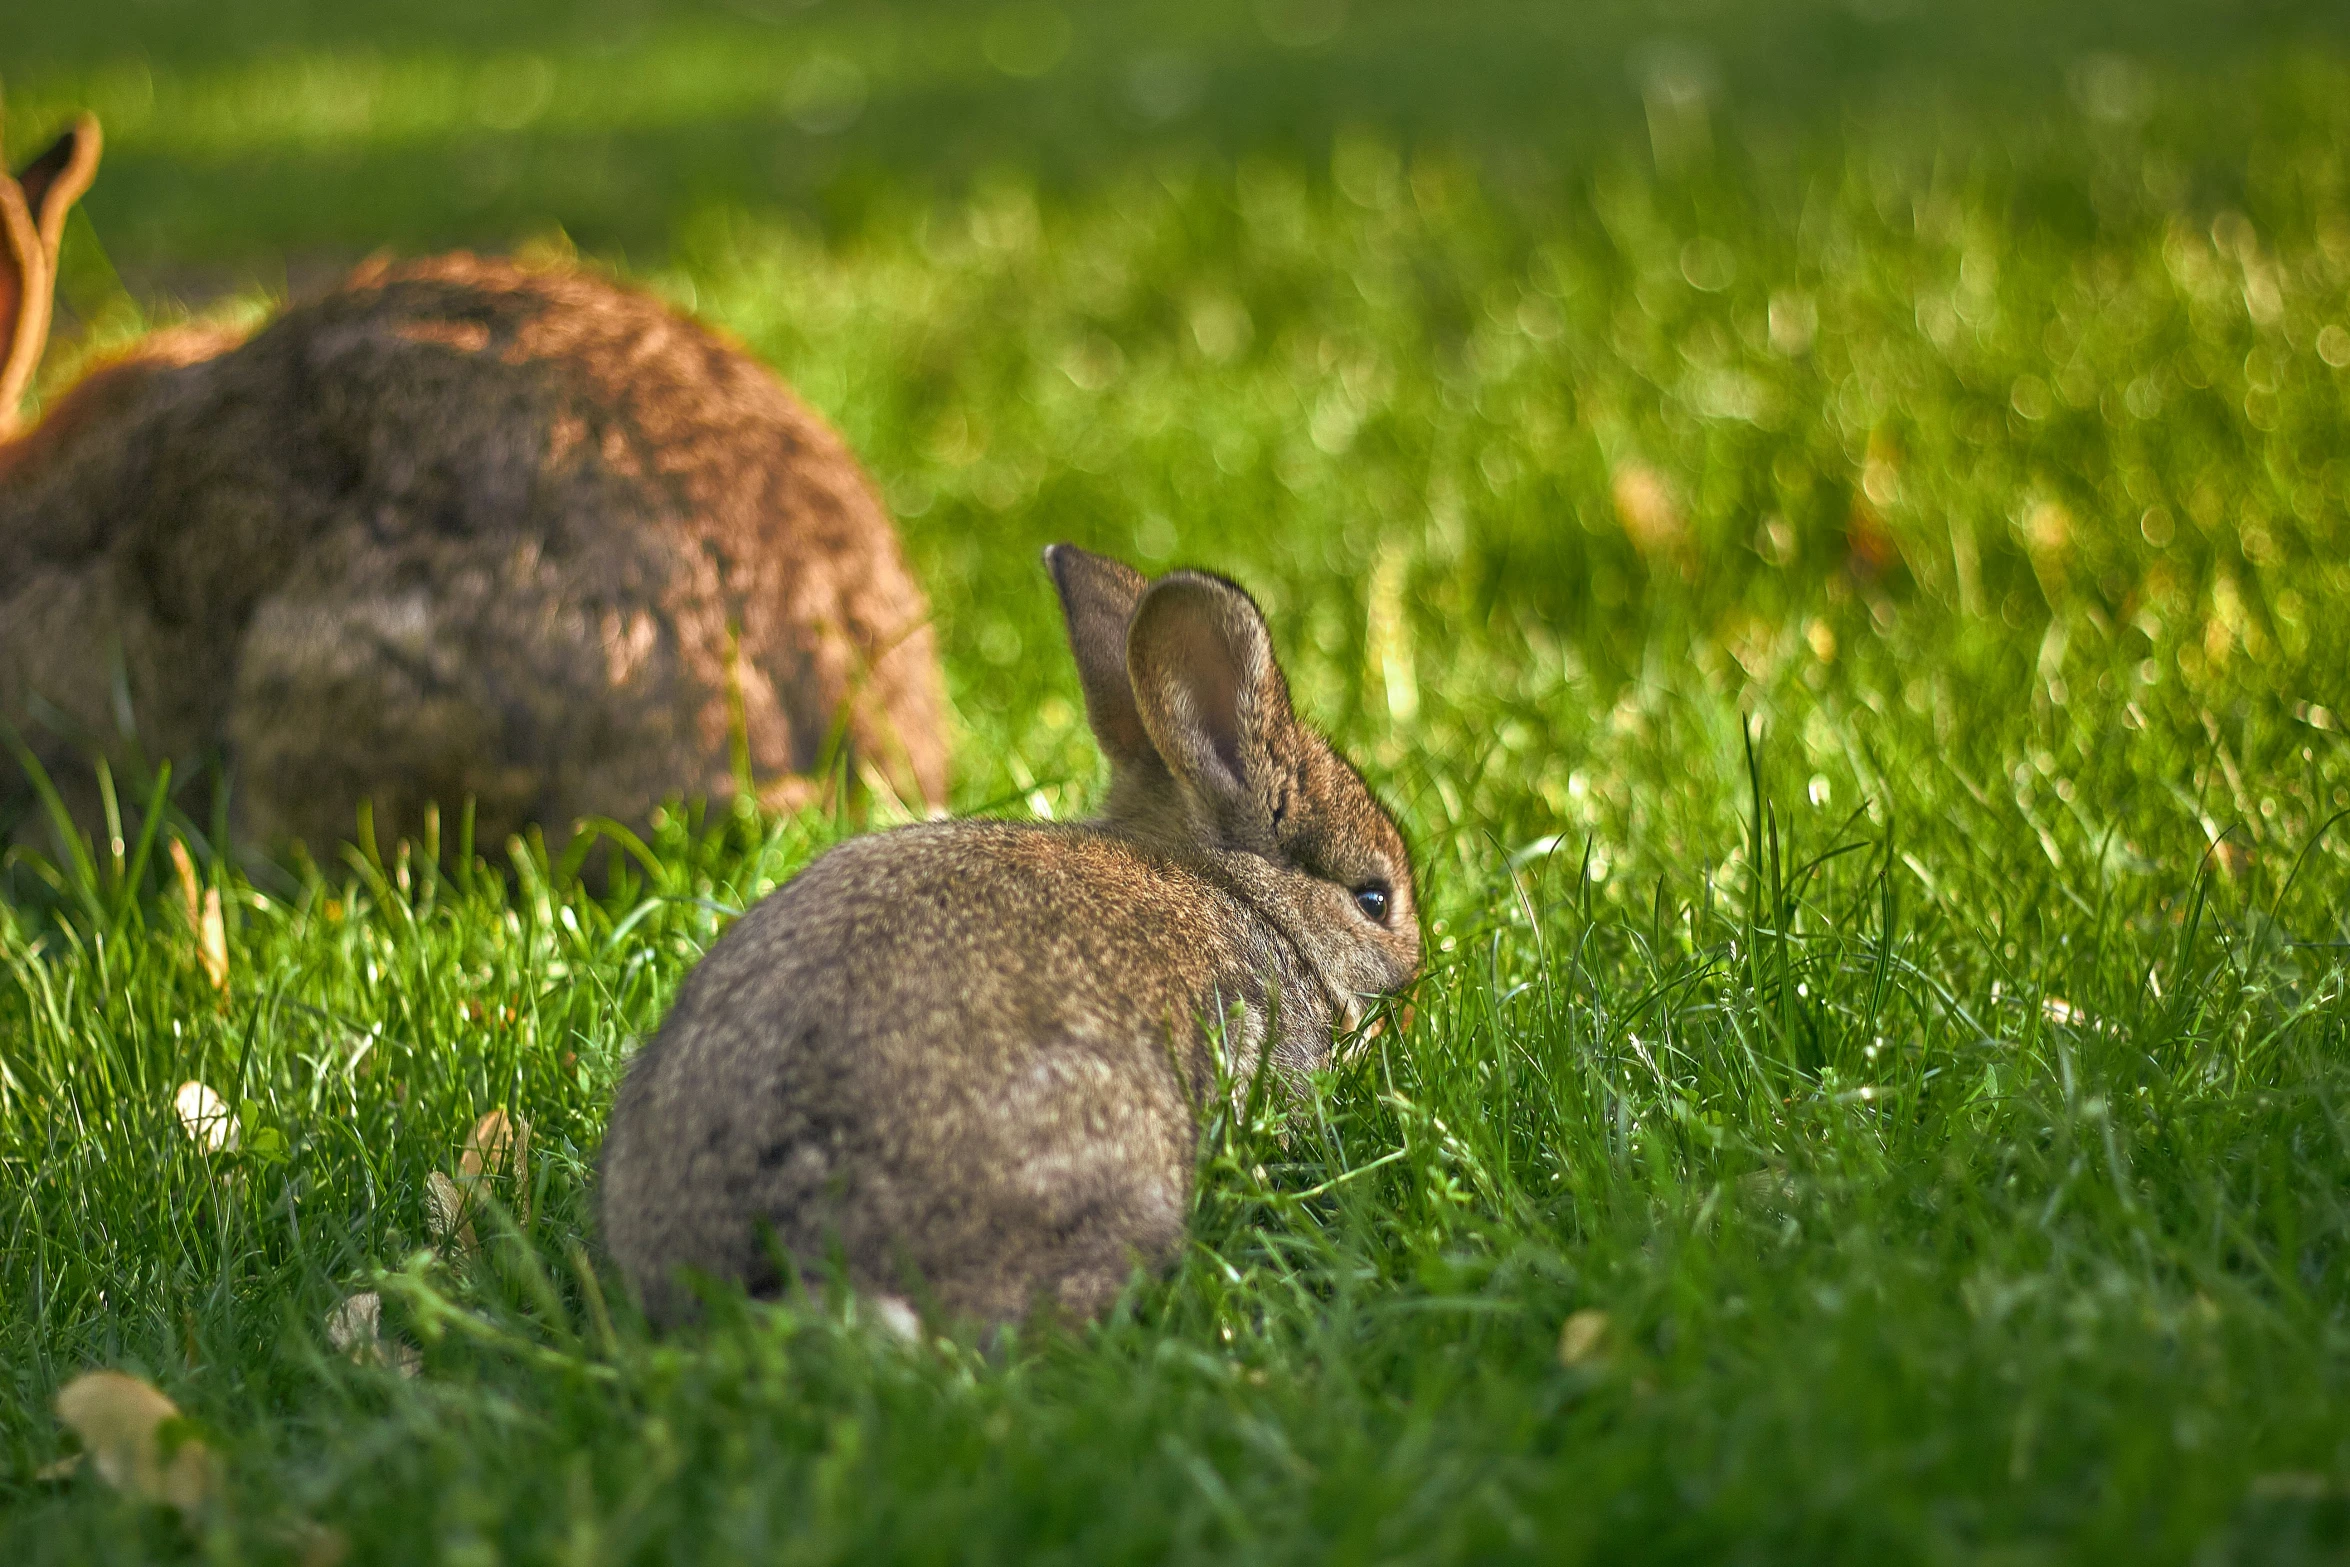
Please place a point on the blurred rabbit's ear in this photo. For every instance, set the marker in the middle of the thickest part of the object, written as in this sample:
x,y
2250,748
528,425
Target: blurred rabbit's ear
x,y
1201,664
55,180
33,207
1098,596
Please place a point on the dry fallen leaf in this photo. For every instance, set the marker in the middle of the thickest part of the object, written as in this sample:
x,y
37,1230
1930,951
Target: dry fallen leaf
x,y
351,1327
120,1421
499,1144
1582,1338
212,942
204,918
447,1210
355,1328
497,1149
189,894
206,1117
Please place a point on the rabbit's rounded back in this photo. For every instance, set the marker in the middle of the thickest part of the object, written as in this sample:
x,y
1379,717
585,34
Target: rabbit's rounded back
x,y
970,1058
465,529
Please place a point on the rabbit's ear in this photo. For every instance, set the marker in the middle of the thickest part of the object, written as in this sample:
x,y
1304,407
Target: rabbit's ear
x,y
33,206
1211,696
1098,596
56,179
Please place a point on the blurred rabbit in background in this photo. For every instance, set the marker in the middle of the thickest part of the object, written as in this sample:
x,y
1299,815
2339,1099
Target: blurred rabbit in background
x,y
458,530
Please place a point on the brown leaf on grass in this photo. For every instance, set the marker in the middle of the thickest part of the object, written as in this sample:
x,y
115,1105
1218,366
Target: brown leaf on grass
x,y
498,1145
498,1150
496,1154
121,1422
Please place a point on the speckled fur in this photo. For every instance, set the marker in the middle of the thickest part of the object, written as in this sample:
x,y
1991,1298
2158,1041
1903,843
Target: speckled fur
x,y
969,1058
459,529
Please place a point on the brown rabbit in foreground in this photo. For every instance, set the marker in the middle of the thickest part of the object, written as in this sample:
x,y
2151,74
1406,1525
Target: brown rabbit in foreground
x,y
972,1055
460,529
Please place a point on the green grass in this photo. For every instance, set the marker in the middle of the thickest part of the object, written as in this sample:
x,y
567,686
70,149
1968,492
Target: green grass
x,y
1842,579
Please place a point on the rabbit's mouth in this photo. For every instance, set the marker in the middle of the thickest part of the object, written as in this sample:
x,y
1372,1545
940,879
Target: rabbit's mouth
x,y
1364,1018
1350,1011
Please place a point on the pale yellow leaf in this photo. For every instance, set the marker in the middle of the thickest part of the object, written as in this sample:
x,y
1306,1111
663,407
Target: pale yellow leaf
x,y
202,905
190,894
1650,512
206,1117
1388,635
1583,1338
120,1421
212,941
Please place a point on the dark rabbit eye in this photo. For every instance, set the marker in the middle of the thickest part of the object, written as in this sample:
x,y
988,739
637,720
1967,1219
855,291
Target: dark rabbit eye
x,y
1371,898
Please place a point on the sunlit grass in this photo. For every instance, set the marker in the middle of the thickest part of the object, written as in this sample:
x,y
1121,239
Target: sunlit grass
x,y
1851,625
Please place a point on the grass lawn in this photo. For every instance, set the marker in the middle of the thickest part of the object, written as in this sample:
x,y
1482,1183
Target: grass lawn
x,y
1831,526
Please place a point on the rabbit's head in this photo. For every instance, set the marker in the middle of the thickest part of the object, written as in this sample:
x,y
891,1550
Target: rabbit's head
x,y
1210,766
33,206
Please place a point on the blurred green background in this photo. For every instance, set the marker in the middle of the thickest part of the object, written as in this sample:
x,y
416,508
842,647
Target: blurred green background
x,y
249,130
1043,263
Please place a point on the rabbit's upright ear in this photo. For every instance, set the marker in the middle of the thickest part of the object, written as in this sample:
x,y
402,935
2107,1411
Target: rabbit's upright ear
x,y
1212,698
33,206
55,180
1098,596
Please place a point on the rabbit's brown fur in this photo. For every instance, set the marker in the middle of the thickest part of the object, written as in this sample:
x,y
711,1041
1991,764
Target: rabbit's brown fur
x,y
972,1056
460,529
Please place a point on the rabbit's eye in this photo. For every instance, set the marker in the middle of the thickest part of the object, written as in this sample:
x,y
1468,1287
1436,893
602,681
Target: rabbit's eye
x,y
1371,898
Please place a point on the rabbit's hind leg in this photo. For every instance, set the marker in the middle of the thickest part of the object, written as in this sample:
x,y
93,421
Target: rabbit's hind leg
x,y
1044,1192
